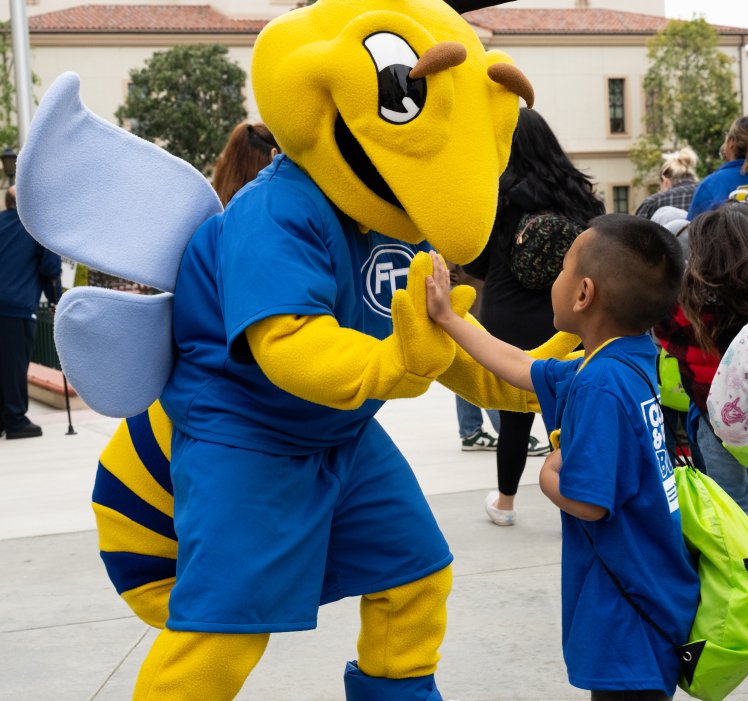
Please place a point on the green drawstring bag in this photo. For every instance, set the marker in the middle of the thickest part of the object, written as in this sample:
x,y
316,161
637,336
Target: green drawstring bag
x,y
715,659
672,394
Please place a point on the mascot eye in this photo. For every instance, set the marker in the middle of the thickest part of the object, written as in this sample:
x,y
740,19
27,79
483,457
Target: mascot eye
x,y
400,98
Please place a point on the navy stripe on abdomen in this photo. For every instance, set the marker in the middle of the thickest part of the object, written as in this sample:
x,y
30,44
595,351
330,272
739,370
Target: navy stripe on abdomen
x,y
109,491
149,451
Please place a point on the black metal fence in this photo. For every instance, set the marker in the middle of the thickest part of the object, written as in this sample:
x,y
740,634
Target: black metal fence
x,y
44,351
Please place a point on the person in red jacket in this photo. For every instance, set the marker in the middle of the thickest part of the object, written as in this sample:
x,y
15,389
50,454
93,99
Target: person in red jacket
x,y
713,307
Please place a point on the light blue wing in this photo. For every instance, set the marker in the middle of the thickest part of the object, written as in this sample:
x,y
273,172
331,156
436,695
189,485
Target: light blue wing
x,y
115,347
101,196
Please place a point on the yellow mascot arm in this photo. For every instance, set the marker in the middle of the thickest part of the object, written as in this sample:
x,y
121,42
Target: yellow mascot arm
x,y
314,358
481,387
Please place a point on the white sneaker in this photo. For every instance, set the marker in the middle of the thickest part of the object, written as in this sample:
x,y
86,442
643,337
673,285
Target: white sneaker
x,y
498,516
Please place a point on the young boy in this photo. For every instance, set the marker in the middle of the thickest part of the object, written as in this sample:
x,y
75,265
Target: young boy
x,y
612,477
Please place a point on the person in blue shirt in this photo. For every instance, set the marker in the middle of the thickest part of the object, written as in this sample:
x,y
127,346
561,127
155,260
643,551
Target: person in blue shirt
x,y
715,188
26,267
612,476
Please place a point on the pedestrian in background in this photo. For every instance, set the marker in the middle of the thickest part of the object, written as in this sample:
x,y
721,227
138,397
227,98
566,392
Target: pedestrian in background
x,y
678,182
26,267
249,148
715,188
539,178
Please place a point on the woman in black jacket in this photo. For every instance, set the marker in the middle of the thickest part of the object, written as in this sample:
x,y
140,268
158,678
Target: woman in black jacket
x,y
538,178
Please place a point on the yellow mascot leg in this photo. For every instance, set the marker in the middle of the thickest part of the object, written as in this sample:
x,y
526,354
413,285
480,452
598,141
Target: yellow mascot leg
x,y
402,628
183,666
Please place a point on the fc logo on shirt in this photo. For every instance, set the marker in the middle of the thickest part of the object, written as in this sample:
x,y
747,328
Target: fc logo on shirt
x,y
385,271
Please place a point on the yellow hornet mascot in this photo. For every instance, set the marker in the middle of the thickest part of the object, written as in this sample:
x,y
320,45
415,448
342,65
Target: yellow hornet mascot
x,y
292,323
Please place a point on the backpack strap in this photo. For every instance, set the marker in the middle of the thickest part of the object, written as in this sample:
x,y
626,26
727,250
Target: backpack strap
x,y
629,599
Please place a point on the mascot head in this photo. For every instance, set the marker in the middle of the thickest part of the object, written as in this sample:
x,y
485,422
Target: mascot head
x,y
396,111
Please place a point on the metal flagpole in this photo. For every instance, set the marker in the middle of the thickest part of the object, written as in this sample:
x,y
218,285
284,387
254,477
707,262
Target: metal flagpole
x,y
19,26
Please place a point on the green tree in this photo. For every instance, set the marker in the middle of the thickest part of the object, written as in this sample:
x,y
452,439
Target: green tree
x,y
8,118
691,98
186,99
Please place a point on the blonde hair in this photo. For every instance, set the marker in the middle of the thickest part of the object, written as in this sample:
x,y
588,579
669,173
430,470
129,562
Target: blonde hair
x,y
739,134
679,165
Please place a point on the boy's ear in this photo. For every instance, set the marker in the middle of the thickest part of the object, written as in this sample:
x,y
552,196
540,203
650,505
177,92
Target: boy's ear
x,y
585,295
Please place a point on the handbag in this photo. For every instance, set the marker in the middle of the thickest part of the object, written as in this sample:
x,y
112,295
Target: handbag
x,y
539,247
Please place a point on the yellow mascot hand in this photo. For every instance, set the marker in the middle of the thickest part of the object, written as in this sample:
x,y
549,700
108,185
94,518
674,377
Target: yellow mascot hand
x,y
560,346
461,299
427,351
424,349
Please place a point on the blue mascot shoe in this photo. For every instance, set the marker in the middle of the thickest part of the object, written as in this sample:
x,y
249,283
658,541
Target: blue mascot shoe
x,y
362,687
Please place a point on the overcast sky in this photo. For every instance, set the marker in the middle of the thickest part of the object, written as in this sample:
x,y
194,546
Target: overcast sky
x,y
733,13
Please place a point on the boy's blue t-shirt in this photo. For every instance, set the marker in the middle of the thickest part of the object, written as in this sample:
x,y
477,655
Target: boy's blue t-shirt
x,y
280,247
614,456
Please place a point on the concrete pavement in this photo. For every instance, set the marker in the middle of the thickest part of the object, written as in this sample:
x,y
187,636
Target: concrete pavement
x,y
65,635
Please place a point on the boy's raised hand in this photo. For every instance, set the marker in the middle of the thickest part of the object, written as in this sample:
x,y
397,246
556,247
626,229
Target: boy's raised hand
x,y
437,290
442,301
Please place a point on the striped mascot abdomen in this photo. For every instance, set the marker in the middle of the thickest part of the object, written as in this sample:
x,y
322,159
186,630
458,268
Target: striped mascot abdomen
x,y
134,506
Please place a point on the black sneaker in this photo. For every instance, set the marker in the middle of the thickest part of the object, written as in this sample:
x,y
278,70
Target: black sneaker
x,y
28,430
480,440
535,448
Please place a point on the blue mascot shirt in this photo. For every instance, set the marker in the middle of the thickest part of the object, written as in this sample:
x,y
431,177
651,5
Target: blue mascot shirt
x,y
614,456
281,247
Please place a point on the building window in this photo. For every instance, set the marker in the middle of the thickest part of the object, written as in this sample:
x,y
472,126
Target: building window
x,y
621,199
616,105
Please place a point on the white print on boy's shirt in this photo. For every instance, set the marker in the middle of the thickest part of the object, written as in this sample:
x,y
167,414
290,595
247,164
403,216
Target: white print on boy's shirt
x,y
656,428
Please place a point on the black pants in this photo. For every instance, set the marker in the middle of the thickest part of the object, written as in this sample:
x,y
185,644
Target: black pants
x,y
16,344
511,450
630,696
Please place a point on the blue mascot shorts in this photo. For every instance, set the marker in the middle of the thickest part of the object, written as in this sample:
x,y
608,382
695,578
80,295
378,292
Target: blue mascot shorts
x,y
264,539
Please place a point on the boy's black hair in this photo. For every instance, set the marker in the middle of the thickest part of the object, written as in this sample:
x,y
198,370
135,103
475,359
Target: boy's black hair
x,y
637,266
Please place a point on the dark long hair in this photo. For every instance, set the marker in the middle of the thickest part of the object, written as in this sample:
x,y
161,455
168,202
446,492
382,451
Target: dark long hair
x,y
716,279
538,157
246,153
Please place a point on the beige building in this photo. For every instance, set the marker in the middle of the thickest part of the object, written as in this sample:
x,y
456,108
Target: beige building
x,y
585,58
588,67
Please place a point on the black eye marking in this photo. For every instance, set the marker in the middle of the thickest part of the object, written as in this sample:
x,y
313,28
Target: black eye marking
x,y
401,99
356,158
